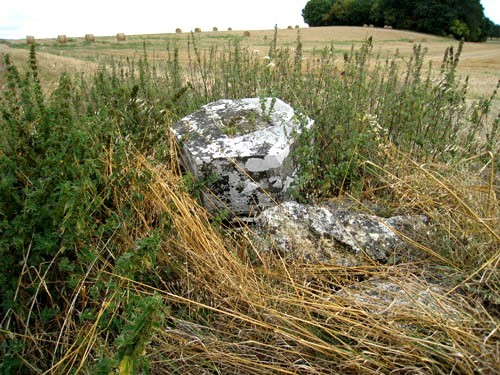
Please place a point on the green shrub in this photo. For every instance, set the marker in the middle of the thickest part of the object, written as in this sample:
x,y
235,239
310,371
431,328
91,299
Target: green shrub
x,y
67,186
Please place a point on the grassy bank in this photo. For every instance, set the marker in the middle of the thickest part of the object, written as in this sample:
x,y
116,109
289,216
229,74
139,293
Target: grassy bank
x,y
110,264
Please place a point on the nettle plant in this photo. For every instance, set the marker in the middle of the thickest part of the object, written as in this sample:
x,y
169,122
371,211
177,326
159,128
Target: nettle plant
x,y
68,187
367,103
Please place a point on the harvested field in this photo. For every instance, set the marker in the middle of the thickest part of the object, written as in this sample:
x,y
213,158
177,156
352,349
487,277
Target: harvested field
x,y
481,61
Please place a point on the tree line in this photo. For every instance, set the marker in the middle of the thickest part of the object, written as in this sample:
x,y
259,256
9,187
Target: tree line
x,y
462,19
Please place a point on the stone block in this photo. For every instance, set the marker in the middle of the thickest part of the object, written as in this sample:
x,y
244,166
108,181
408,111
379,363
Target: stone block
x,y
244,145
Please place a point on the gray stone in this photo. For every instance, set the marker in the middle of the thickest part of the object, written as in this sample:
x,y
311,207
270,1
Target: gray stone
x,y
395,296
331,233
245,144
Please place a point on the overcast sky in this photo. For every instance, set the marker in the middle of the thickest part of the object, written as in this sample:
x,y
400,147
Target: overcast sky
x,y
49,18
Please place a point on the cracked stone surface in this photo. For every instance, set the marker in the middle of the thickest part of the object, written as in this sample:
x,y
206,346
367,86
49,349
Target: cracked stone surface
x,y
332,234
246,144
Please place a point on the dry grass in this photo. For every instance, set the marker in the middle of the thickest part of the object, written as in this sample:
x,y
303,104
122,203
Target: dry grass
x,y
249,312
286,317
238,309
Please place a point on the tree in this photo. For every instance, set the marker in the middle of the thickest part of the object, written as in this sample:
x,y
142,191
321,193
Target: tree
x,y
350,12
464,19
471,12
434,17
316,12
491,29
459,29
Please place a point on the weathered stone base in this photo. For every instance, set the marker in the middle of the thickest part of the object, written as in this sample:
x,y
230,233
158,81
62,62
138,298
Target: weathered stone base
x,y
243,147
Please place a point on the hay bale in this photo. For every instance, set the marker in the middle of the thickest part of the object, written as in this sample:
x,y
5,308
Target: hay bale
x,y
246,33
197,30
365,25
121,37
62,39
178,30
30,39
297,26
371,26
229,29
289,27
89,38
215,29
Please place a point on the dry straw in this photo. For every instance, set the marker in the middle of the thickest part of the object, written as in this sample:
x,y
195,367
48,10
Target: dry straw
x,y
62,39
121,37
287,318
215,29
178,30
246,33
30,39
197,30
89,38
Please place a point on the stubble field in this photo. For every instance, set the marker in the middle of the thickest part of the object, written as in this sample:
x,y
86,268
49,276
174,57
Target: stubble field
x,y
479,61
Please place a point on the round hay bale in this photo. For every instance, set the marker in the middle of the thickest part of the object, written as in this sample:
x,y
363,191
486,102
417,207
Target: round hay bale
x,y
215,29
30,39
297,26
246,33
178,30
197,30
289,27
62,39
89,38
371,26
365,25
229,29
121,37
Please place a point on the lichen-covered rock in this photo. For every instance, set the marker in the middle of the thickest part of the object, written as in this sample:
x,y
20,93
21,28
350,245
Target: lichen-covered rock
x,y
331,233
393,296
245,144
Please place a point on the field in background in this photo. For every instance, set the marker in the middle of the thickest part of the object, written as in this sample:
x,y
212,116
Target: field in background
x,y
480,61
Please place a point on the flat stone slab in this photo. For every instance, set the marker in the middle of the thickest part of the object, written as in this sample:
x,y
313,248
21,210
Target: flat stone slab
x,y
313,233
244,145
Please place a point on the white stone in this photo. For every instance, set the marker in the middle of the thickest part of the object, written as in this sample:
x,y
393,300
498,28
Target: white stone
x,y
365,236
247,144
